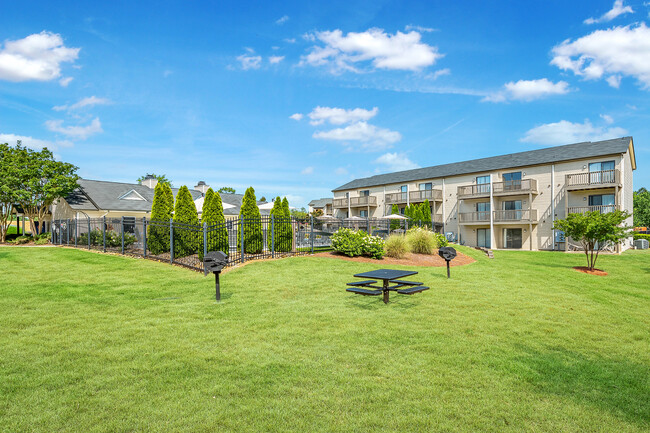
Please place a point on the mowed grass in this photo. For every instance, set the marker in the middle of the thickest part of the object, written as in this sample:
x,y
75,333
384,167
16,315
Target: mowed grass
x,y
93,343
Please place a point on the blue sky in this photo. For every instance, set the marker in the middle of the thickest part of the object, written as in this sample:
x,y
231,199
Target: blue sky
x,y
297,98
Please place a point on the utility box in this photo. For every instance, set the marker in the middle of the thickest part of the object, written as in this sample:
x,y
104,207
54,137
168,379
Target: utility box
x,y
641,244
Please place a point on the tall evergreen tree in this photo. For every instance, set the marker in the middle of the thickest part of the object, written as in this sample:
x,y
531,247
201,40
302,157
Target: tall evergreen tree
x,y
220,231
208,217
287,232
277,214
251,221
186,240
426,214
158,239
169,198
394,224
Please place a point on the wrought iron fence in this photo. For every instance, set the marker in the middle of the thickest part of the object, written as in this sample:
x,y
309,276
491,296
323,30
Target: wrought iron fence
x,y
243,239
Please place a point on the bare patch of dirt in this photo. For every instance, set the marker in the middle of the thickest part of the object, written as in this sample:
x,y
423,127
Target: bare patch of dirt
x,y
586,270
409,260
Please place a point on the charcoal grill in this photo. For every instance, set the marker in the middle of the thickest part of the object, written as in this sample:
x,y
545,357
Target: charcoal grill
x,y
214,262
447,253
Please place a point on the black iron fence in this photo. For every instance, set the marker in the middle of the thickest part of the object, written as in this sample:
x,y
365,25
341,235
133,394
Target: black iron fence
x,y
186,244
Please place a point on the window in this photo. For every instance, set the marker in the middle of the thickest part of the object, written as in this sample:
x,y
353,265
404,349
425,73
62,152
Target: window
x,y
425,186
512,238
363,214
483,211
601,172
603,203
364,193
482,184
512,181
401,211
512,210
404,190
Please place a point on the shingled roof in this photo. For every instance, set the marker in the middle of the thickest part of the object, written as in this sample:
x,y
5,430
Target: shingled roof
x,y
321,202
548,155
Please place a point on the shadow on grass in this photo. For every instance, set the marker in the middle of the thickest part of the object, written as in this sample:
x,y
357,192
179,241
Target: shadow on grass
x,y
618,386
376,302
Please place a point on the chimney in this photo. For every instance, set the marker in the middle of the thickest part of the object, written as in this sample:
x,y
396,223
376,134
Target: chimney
x,y
201,186
149,181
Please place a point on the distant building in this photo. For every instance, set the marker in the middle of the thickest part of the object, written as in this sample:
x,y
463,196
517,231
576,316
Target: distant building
x,y
324,204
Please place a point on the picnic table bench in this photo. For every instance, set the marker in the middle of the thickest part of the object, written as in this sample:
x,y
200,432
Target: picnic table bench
x,y
388,277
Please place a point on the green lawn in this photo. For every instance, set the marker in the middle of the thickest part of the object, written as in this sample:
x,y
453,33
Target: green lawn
x,y
92,342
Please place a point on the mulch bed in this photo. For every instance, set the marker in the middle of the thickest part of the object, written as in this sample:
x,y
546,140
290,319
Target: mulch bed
x,y
409,260
586,270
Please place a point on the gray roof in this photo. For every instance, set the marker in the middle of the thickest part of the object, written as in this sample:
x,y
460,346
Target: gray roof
x,y
321,202
105,195
548,155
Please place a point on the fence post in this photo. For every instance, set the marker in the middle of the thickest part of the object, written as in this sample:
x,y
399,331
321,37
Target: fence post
x,y
88,232
241,226
368,226
76,230
52,238
273,236
67,232
311,233
144,237
122,230
205,240
171,241
104,231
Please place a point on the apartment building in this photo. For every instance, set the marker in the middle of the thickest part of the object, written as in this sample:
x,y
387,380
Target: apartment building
x,y
508,201
324,204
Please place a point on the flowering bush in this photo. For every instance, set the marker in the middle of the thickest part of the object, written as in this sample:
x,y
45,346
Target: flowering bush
x,y
356,243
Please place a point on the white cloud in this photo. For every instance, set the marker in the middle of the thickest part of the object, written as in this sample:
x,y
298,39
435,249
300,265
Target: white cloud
x,y
275,59
250,61
619,51
420,29
341,171
79,132
565,132
396,161
290,40
614,81
528,90
438,73
607,118
282,20
65,81
307,170
616,10
85,102
34,143
340,116
37,57
370,136
296,116
401,51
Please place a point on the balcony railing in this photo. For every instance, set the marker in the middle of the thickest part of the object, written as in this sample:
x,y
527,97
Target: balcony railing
x,y
396,198
367,200
425,194
474,191
601,208
437,218
515,187
593,179
524,215
475,217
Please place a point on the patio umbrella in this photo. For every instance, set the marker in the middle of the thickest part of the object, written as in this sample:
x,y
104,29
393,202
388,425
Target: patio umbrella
x,y
395,217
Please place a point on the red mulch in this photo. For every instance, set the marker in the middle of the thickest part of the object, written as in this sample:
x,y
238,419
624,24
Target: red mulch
x,y
409,260
586,270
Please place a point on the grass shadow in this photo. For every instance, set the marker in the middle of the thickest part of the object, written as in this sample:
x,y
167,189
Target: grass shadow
x,y
618,386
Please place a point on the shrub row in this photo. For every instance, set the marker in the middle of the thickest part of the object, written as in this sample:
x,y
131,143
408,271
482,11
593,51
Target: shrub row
x,y
113,238
357,243
641,236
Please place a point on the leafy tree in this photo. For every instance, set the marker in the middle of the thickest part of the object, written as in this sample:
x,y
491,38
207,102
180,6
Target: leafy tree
x,y
42,181
277,241
642,208
9,184
161,178
226,190
426,214
161,213
251,222
263,199
186,241
287,229
394,224
594,230
299,214
317,213
212,215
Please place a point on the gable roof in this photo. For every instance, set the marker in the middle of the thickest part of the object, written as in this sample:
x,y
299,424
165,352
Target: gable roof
x,y
521,159
321,202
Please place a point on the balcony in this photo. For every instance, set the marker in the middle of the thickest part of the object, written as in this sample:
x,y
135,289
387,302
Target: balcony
x,y
342,203
601,209
515,216
592,180
482,217
396,198
437,218
474,191
514,187
425,194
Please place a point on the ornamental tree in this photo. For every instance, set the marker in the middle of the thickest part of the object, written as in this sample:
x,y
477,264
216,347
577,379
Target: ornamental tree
x,y
186,240
287,233
212,215
594,230
426,214
394,224
641,208
251,222
161,213
277,214
9,184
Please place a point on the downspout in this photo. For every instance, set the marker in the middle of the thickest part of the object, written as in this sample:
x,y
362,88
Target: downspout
x,y
444,231
491,216
552,205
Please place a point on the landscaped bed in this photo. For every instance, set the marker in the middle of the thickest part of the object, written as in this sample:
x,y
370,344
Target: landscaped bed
x,y
410,259
94,342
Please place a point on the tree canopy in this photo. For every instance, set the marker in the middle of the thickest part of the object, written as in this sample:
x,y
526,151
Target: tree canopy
x,y
161,178
227,190
642,208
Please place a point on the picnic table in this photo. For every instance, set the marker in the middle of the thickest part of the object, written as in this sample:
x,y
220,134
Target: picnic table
x,y
388,276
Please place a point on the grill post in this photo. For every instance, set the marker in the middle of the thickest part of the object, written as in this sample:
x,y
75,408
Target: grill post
x,y
144,236
273,236
311,233
104,231
122,230
88,218
171,241
241,226
217,288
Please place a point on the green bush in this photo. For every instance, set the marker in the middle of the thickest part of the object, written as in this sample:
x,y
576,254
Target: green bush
x,y
46,236
161,213
441,240
113,239
212,215
356,243
394,224
186,239
20,240
641,236
396,246
251,222
421,241
281,239
373,247
42,241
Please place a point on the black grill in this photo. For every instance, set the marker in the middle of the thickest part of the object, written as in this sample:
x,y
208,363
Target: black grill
x,y
447,253
215,261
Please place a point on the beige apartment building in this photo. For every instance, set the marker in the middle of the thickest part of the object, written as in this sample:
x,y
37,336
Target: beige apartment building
x,y
508,201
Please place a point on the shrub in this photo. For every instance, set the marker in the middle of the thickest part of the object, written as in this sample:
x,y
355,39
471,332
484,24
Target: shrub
x,y
113,239
421,241
641,236
186,239
287,227
394,224
161,212
46,236
373,247
281,238
396,246
441,240
356,243
42,241
212,215
251,222
20,240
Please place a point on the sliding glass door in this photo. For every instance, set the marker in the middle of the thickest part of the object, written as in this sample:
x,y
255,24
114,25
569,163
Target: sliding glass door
x,y
483,238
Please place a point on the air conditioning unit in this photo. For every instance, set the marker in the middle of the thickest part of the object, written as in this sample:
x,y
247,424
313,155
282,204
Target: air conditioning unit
x,y
641,244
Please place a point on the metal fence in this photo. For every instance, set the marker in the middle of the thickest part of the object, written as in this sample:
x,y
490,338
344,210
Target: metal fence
x,y
186,244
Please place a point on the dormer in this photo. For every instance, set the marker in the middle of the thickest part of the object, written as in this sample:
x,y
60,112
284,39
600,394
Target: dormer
x,y
132,195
